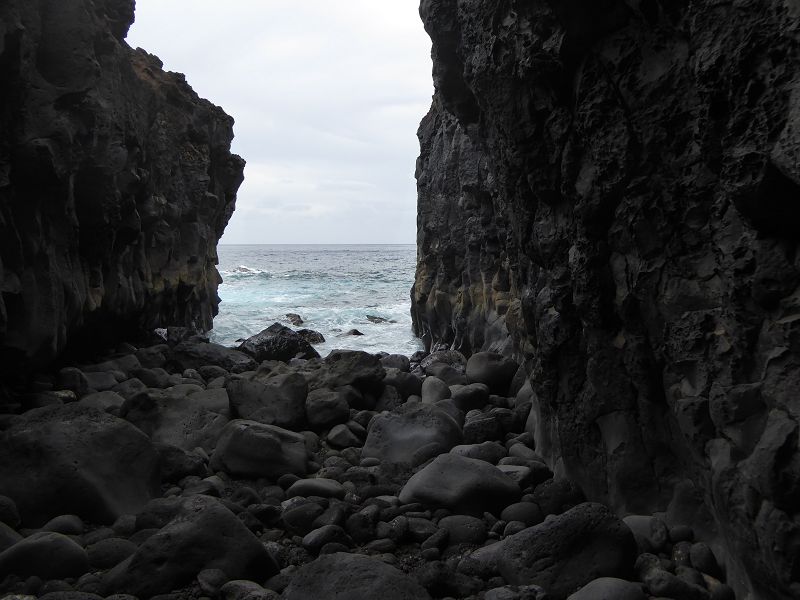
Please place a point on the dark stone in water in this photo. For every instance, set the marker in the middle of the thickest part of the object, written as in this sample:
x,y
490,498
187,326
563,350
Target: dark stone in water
x,y
294,319
352,332
278,342
311,336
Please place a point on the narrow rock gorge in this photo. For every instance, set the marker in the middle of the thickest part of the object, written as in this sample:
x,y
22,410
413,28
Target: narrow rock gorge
x,y
116,182
608,191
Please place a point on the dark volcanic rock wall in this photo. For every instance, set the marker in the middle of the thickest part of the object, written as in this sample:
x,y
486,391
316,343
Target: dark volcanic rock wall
x,y
611,190
116,181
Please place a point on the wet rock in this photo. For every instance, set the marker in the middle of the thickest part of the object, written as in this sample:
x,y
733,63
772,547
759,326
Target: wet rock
x,y
277,342
96,465
205,535
351,332
464,485
352,577
311,336
294,319
251,449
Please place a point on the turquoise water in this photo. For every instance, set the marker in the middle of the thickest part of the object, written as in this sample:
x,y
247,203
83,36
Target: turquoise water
x,y
333,288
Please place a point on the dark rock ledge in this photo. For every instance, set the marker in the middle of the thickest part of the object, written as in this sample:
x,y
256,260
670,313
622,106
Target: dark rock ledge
x,y
189,470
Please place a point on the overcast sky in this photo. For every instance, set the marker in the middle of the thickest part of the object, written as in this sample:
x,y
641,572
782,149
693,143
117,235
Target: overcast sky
x,y
327,96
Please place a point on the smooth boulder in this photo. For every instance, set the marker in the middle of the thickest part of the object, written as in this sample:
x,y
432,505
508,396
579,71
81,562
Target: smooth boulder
x,y
252,449
567,551
204,535
464,485
75,460
352,577
411,435
494,370
47,555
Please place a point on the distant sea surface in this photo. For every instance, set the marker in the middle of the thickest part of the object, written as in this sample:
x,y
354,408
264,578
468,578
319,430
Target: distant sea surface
x,y
333,288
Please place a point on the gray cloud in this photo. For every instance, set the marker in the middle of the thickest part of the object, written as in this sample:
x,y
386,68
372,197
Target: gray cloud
x,y
327,96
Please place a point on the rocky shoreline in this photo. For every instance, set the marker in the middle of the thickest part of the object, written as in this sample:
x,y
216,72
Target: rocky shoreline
x,y
185,469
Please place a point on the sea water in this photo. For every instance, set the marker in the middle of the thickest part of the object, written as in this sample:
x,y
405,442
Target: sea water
x,y
333,288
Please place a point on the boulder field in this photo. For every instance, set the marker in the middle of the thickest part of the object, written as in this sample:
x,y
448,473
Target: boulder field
x,y
137,477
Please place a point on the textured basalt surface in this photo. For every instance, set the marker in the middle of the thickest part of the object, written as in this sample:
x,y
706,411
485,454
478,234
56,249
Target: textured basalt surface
x,y
610,191
116,182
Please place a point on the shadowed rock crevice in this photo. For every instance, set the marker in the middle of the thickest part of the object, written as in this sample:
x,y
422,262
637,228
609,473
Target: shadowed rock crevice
x,y
620,216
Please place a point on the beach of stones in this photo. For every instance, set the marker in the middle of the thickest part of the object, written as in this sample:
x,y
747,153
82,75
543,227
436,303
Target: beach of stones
x,y
185,469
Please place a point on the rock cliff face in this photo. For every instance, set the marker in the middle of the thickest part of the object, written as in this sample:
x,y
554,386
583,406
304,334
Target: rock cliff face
x,y
610,190
116,182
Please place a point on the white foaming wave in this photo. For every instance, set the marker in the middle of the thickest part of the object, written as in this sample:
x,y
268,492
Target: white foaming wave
x,y
243,271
